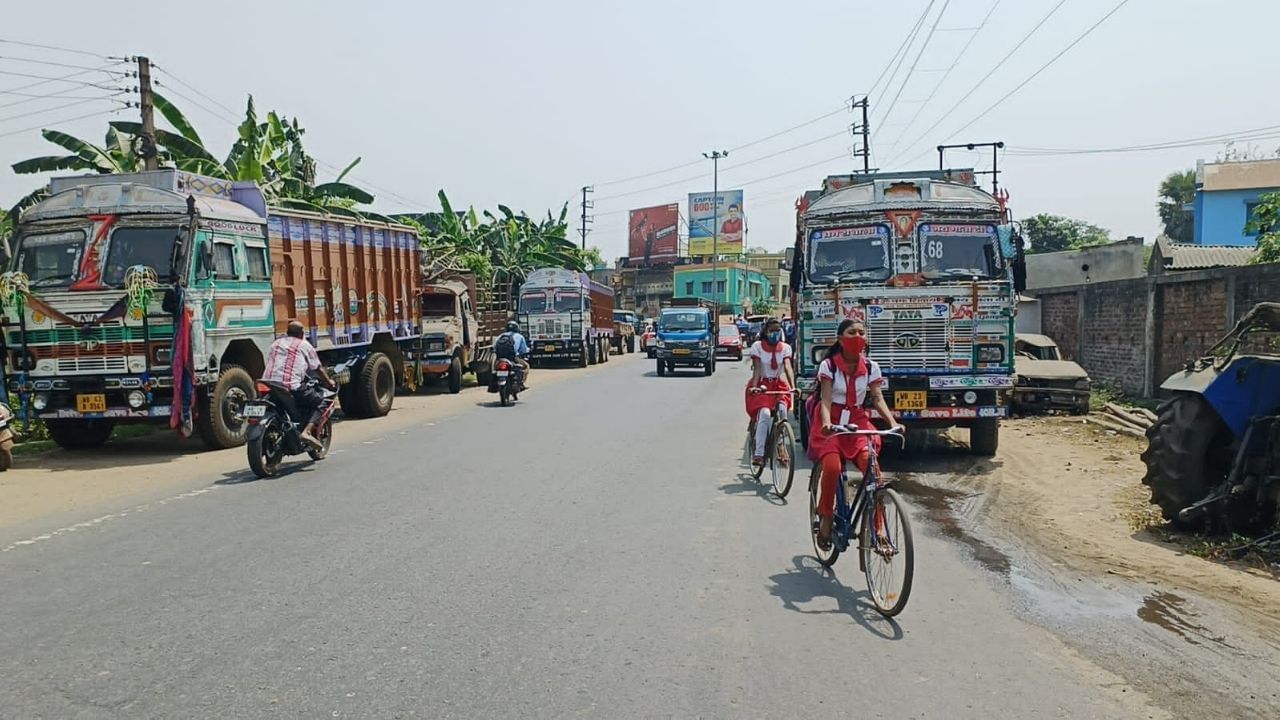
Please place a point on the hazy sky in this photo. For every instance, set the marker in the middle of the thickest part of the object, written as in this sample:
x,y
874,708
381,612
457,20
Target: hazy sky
x,y
522,103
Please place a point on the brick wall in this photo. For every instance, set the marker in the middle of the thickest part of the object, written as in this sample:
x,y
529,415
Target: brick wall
x,y
1190,317
1115,317
1059,319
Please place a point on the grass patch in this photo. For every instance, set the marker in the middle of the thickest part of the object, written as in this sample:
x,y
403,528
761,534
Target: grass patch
x,y
1104,392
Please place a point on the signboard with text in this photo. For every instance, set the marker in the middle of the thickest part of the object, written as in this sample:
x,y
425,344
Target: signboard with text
x,y
717,223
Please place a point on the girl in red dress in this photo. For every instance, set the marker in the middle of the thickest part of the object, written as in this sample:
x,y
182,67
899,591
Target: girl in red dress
x,y
771,370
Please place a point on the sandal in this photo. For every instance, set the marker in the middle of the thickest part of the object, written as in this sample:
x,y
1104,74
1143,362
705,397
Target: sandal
x,y
824,537
758,461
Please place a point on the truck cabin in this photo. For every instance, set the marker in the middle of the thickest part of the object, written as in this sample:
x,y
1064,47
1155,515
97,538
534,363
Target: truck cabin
x,y
52,255
683,320
551,300
439,303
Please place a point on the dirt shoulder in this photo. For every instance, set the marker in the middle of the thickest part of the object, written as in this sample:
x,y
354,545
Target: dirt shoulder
x,y
58,487
1073,491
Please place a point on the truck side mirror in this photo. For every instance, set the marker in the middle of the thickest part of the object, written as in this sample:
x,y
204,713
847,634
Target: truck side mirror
x,y
1019,266
789,258
205,259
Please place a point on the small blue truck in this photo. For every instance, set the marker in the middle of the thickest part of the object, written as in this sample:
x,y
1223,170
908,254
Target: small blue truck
x,y
687,335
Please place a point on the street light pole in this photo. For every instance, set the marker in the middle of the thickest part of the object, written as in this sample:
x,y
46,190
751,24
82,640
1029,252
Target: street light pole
x,y
714,156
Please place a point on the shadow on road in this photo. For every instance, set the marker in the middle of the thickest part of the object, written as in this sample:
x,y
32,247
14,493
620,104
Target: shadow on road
x,y
246,476
807,581
748,485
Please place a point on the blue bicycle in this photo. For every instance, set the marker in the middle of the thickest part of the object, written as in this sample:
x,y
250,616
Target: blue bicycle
x,y
877,517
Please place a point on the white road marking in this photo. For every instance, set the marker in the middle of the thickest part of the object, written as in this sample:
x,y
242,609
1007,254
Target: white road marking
x,y
111,516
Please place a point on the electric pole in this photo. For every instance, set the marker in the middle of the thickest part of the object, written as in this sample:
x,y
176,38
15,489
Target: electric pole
x,y
148,151
864,129
714,156
586,205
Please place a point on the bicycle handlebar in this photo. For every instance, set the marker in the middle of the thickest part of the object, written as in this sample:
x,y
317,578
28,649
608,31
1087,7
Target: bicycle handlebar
x,y
896,431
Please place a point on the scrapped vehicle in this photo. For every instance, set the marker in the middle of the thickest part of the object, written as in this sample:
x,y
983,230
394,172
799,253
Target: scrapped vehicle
x,y
729,343
1213,456
1044,381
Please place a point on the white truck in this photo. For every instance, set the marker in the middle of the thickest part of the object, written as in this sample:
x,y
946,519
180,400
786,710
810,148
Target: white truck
x,y
566,316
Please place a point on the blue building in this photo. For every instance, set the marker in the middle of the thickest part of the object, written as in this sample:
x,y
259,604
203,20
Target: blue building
x,y
1226,193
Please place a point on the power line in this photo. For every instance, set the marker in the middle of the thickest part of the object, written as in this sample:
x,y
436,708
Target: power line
x,y
1263,133
63,107
898,60
59,122
52,47
843,108
981,82
50,63
45,79
194,89
841,156
63,78
34,97
179,94
901,49
915,63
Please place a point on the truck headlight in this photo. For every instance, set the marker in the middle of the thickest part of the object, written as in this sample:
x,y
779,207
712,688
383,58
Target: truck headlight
x,y
970,397
660,343
137,399
704,343
990,353
40,401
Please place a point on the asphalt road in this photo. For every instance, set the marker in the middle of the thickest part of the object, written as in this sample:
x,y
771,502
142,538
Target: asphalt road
x,y
595,550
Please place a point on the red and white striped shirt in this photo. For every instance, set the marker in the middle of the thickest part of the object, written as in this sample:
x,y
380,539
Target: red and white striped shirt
x,y
288,361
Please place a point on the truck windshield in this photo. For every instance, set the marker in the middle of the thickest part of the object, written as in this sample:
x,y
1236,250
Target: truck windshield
x,y
682,321
533,302
568,301
958,251
855,253
438,305
50,260
149,246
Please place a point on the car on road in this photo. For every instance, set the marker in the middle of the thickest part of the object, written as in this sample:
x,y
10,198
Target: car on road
x,y
729,342
1044,381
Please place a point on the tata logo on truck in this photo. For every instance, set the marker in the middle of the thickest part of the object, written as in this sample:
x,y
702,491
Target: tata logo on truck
x,y
907,341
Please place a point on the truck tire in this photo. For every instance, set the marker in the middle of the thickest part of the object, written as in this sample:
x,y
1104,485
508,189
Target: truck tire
x,y
709,367
79,434
455,376
349,399
662,369
585,360
377,385
1188,453
218,418
483,371
631,344
984,437
604,350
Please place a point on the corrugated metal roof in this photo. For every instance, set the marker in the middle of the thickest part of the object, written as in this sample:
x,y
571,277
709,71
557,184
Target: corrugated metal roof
x,y
1186,256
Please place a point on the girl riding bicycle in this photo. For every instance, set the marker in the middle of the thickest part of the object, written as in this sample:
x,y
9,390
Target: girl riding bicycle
x,y
845,366
771,371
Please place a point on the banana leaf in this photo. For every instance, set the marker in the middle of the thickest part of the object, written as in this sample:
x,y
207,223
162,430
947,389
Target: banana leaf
x,y
174,116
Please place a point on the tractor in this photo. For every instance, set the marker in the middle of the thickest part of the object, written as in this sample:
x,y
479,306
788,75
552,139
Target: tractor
x,y
1213,457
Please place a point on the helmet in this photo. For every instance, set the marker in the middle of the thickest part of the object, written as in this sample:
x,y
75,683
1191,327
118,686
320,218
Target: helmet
x,y
513,327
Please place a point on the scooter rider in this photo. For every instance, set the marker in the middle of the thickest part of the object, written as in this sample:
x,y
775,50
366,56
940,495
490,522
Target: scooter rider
x,y
512,346
288,362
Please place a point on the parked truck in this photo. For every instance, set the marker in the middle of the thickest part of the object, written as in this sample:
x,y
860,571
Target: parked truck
x,y
624,331
141,297
687,330
927,261
567,316
460,321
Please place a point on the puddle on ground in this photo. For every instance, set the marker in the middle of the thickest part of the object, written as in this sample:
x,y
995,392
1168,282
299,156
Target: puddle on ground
x,y
939,503
1169,611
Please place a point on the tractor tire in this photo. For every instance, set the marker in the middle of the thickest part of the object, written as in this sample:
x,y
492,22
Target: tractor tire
x,y
455,376
218,418
377,385
79,434
984,437
1188,454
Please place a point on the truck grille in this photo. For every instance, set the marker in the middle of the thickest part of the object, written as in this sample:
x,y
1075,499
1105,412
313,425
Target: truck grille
x,y
917,343
549,326
98,364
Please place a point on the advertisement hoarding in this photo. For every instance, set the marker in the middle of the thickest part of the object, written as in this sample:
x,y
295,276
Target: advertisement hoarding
x,y
704,215
654,235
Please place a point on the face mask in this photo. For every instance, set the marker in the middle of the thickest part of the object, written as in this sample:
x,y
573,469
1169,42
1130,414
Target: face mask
x,y
774,337
853,346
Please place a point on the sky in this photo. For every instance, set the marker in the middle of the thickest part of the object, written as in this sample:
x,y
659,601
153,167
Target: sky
x,y
523,103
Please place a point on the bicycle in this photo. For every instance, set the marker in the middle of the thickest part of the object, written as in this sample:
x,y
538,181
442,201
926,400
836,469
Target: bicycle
x,y
884,534
780,443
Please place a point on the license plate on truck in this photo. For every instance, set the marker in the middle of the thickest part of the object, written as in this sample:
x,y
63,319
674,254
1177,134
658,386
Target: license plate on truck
x,y
910,400
548,348
680,351
95,403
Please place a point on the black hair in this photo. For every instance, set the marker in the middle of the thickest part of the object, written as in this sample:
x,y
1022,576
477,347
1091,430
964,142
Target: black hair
x,y
835,346
296,329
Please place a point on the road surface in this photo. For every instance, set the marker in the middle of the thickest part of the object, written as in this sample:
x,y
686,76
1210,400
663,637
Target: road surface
x,y
594,551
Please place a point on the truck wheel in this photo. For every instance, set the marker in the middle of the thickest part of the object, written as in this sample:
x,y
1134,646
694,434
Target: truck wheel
x,y
709,368
483,371
218,417
583,360
79,434
984,437
604,350
349,399
377,385
662,369
1188,453
631,344
455,376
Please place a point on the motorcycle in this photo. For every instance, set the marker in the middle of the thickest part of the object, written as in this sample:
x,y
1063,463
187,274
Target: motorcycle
x,y
507,381
275,426
6,437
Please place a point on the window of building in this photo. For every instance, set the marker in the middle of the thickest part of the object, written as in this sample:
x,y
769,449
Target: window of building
x,y
1250,211
688,288
706,287
720,286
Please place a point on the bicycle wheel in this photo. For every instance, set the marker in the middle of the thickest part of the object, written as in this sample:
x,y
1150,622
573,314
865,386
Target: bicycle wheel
x,y
757,470
888,552
783,446
826,557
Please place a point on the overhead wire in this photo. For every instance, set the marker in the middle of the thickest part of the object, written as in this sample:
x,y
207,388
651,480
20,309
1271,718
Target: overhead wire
x,y
915,63
999,64
47,79
28,86
50,63
65,106
194,89
63,95
1263,133
59,122
51,47
897,61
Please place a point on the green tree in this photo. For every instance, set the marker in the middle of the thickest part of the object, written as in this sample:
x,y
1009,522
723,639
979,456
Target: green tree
x,y
593,258
1266,224
1055,233
1176,191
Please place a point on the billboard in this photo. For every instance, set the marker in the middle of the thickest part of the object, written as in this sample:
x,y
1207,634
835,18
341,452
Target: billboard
x,y
654,235
727,212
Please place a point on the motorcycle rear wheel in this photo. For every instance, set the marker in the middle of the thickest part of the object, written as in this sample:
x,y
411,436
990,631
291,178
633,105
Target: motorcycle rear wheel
x,y
266,451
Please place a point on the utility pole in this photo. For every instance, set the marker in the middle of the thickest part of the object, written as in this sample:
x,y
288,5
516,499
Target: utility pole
x,y
714,156
864,129
586,205
148,151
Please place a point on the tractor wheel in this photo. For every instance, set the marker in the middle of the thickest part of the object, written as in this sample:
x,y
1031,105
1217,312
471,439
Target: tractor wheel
x,y
1188,454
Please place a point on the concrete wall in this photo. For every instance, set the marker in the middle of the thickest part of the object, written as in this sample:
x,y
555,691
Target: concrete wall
x,y
1028,317
1220,216
1117,261
1135,333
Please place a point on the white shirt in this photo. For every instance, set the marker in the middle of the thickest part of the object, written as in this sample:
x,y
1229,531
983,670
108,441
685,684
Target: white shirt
x,y
781,352
839,390
288,361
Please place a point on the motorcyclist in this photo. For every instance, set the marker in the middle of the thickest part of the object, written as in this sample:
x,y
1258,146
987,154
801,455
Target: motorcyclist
x,y
517,351
289,360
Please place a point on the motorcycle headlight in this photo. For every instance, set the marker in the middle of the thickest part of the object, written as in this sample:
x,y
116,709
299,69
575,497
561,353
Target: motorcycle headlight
x,y
40,401
137,399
